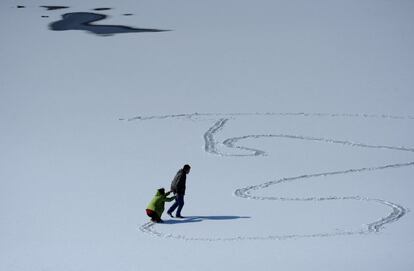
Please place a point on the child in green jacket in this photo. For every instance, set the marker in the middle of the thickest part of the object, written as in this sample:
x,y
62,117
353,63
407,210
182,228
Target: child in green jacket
x,y
156,207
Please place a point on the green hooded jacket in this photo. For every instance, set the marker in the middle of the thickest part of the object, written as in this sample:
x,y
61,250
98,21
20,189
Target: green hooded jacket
x,y
158,201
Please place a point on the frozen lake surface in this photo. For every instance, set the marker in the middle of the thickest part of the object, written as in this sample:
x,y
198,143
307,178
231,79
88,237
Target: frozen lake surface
x,y
296,117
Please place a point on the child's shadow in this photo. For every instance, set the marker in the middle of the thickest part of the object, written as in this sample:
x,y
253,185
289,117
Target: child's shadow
x,y
192,219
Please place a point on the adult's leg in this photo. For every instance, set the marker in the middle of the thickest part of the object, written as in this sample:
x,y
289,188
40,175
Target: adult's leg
x,y
173,207
180,201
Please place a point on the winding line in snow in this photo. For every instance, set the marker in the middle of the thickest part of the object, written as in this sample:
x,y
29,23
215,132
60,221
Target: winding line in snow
x,y
210,143
211,146
149,229
231,143
293,114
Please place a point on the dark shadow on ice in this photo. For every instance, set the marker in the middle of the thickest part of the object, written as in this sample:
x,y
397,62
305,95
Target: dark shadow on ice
x,y
100,9
181,221
84,20
192,219
53,7
220,217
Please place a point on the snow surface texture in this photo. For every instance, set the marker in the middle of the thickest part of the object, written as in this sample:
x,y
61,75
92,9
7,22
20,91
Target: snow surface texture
x,y
75,181
213,146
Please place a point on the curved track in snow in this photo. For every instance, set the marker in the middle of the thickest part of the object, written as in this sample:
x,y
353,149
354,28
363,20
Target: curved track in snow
x,y
213,146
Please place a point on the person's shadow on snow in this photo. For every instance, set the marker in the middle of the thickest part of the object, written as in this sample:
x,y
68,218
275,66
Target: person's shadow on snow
x,y
192,219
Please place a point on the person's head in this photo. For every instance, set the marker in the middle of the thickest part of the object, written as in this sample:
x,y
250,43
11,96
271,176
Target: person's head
x,y
186,169
161,191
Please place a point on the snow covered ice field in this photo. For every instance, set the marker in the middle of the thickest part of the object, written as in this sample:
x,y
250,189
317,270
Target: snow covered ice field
x,y
296,117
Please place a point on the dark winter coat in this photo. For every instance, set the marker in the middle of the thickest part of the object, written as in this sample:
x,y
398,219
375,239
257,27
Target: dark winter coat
x,y
178,183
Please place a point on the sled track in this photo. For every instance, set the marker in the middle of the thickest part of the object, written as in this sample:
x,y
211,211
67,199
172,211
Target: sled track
x,y
213,146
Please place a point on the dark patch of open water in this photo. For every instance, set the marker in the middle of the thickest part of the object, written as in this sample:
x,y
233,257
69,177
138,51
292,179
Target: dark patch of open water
x,y
84,21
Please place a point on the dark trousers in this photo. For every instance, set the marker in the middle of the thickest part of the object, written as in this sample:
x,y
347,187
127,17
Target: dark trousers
x,y
179,202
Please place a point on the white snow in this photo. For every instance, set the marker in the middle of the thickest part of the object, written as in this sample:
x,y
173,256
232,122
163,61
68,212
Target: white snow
x,y
296,117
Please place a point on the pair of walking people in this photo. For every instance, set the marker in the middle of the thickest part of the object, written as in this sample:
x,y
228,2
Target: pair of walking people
x,y
156,207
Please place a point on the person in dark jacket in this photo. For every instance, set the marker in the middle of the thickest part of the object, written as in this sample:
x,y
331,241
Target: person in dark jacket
x,y
178,186
156,207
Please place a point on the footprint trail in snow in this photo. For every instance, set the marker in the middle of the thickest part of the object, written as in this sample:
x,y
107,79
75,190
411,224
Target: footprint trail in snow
x,y
213,146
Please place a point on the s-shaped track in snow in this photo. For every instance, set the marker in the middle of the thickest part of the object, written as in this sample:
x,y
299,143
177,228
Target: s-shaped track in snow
x,y
213,146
